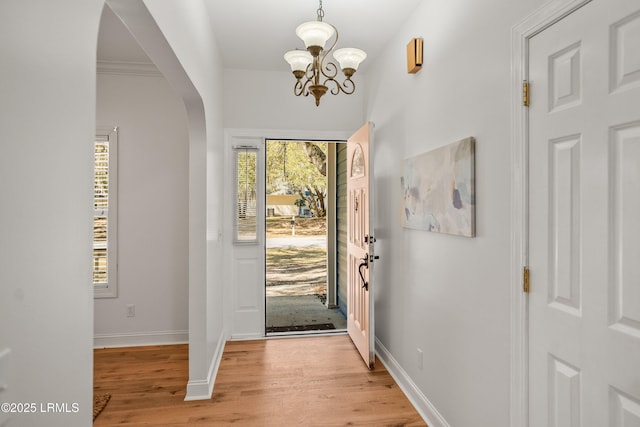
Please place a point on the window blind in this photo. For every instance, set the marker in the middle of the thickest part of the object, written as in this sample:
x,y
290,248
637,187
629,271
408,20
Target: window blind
x,y
100,212
245,210
105,213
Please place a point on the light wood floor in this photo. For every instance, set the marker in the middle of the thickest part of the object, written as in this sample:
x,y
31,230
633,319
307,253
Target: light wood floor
x,y
311,381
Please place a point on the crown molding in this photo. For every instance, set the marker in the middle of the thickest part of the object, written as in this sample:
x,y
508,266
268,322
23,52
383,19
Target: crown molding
x,y
128,68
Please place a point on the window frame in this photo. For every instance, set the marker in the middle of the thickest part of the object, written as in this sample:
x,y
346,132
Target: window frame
x,y
109,289
237,150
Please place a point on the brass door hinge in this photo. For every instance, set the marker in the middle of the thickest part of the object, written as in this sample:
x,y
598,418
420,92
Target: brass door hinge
x,y
525,93
525,280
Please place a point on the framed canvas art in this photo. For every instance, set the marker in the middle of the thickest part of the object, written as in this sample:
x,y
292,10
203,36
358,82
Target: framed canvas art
x,y
438,190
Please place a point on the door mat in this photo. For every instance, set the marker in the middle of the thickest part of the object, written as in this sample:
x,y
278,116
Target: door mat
x,y
299,328
99,402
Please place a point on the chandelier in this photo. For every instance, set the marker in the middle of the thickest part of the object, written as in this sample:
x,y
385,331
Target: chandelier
x,y
310,68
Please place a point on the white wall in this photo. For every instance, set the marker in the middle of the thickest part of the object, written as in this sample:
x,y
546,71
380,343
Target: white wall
x,y
259,105
265,100
188,30
47,117
449,296
153,214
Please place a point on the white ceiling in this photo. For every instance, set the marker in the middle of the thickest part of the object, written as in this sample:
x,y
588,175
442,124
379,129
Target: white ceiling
x,y
255,34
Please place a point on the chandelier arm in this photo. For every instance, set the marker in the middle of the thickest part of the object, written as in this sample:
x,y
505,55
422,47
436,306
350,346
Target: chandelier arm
x,y
302,88
335,42
347,87
329,70
298,88
305,86
310,72
337,88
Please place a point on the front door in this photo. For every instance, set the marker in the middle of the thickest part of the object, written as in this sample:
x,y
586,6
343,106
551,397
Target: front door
x,y
584,231
360,242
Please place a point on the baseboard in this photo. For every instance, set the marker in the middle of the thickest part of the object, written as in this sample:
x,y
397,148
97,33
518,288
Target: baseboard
x,y
137,339
203,389
427,411
249,336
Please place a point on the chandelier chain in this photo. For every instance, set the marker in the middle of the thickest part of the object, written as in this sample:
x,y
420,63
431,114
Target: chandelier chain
x,y
320,12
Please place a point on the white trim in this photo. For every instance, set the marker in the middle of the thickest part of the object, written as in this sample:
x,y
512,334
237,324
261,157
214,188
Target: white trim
x,y
331,221
127,68
246,336
298,135
533,24
203,389
110,289
258,172
300,334
138,339
425,408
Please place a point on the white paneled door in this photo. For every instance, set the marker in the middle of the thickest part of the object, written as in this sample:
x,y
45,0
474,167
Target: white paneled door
x,y
584,219
360,243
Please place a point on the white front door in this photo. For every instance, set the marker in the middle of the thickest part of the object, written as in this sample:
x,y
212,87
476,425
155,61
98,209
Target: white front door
x,y
584,219
360,242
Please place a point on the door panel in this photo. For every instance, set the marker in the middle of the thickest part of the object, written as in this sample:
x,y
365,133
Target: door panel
x,y
584,195
360,244
245,304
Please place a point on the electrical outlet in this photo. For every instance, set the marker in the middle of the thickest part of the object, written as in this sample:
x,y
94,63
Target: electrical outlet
x,y
131,310
420,359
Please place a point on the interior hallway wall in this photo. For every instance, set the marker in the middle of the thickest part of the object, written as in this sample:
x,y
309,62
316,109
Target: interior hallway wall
x,y
47,117
153,215
447,295
188,30
265,100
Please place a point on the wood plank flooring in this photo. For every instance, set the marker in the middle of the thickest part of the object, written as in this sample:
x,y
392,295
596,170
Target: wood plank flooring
x,y
310,381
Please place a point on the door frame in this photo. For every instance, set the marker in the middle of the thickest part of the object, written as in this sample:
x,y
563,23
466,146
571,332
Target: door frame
x,y
252,324
331,218
521,34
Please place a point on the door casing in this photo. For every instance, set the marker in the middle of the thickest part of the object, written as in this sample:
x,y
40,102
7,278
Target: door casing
x,y
521,34
249,322
331,218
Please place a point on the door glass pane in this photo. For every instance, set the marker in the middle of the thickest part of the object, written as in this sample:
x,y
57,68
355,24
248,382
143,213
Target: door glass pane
x,y
246,200
357,162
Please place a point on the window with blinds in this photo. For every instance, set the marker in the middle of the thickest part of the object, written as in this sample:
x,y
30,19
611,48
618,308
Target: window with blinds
x,y
104,214
245,225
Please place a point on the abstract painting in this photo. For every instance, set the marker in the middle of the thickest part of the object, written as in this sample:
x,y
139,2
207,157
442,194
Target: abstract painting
x,y
438,190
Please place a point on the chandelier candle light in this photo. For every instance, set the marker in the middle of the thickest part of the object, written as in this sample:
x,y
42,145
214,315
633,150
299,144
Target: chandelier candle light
x,y
309,67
